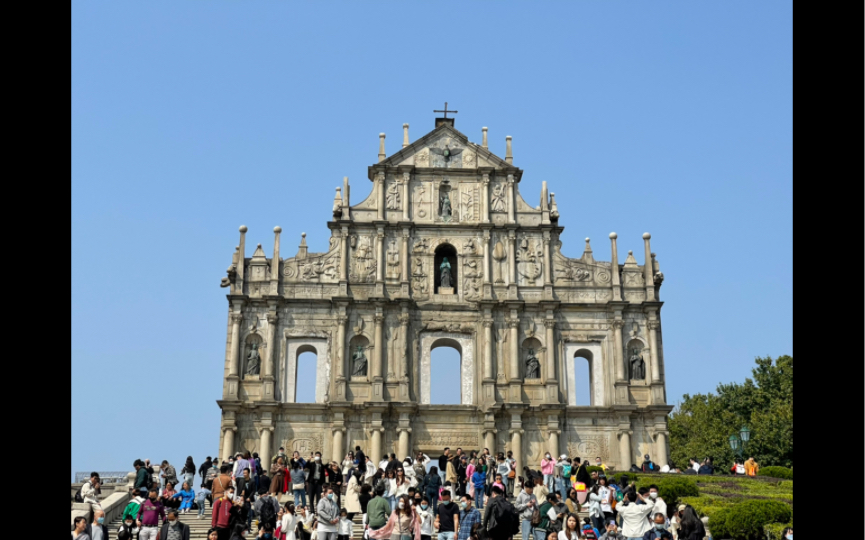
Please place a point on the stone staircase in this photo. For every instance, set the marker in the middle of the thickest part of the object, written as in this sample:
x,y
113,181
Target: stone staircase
x,y
198,527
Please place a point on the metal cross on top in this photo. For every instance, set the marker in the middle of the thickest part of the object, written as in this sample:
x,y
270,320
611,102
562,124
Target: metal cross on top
x,y
446,111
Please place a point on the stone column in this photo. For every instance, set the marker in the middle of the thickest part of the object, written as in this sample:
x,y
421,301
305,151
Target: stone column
x,y
647,269
379,346
554,443
488,348
487,270
661,449
490,440
338,451
485,216
653,344
617,354
517,447
512,261
343,263
228,442
625,454
403,446
404,258
550,325
406,177
266,443
272,321
614,266
379,194
511,199
234,355
340,351
379,253
547,270
514,325
403,357
375,445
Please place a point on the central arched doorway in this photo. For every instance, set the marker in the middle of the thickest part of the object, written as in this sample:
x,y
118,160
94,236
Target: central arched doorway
x,y
462,344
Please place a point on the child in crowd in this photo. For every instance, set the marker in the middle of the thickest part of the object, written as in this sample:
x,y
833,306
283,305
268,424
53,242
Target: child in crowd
x,y
344,527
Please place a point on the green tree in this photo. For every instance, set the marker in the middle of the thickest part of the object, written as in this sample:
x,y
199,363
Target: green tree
x,y
701,425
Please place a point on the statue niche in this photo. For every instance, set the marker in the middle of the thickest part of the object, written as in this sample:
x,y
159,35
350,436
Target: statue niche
x,y
531,361
445,266
358,366
636,364
252,356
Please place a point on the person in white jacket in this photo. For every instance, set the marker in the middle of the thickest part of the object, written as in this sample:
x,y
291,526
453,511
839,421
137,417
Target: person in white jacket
x,y
344,527
286,522
633,515
90,492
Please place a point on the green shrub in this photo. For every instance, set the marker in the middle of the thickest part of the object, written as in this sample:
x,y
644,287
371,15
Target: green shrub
x,y
777,472
592,468
773,531
632,477
707,505
786,484
672,488
745,520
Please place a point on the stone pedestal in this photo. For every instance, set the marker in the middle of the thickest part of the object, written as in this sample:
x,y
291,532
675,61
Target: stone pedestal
x,y
446,290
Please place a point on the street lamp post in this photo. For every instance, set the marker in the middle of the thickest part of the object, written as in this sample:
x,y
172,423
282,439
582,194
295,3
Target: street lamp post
x,y
739,441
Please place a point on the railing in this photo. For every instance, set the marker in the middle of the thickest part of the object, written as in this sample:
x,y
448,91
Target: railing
x,y
113,477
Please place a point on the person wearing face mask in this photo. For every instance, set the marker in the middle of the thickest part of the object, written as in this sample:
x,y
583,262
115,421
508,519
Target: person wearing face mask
x,y
327,512
548,465
600,463
659,529
128,526
447,519
344,527
660,504
425,515
97,529
469,516
691,526
221,519
403,524
173,529
315,470
787,534
633,516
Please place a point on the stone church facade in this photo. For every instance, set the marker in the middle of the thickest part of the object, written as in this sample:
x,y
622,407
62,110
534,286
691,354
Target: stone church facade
x,y
382,297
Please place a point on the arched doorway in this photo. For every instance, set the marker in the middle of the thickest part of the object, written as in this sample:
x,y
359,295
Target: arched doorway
x,y
442,252
583,378
312,372
305,377
445,376
464,345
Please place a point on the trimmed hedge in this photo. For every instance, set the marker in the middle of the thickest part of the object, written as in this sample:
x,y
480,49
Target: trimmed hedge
x,y
773,531
777,472
592,468
632,477
786,484
746,520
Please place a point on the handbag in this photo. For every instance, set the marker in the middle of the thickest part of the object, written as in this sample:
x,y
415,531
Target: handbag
x,y
536,517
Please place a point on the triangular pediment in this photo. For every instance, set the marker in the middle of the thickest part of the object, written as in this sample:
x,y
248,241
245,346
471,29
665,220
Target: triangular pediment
x,y
445,147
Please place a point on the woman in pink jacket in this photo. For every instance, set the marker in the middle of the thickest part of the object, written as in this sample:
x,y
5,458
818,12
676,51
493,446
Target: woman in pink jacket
x,y
548,465
403,522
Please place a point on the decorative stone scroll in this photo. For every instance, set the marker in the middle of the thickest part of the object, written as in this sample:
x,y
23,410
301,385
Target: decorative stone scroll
x,y
304,443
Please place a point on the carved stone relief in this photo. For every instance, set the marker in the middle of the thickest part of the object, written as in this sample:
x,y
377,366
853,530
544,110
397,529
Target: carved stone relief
x,y
363,263
530,262
498,202
590,446
393,271
419,279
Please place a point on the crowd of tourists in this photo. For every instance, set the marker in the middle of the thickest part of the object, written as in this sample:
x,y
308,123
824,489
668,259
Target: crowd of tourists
x,y
460,496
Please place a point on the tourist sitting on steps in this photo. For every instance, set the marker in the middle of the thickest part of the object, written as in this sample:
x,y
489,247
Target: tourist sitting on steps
x,y
707,467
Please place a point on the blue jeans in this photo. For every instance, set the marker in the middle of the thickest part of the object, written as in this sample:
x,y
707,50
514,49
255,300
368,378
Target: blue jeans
x,y
526,529
446,536
201,504
548,481
479,498
539,534
299,495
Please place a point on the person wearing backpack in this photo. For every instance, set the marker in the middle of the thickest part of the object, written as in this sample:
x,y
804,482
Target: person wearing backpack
x,y
142,478
266,508
500,517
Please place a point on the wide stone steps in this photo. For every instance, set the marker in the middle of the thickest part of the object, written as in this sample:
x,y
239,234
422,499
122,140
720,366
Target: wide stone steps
x,y
198,527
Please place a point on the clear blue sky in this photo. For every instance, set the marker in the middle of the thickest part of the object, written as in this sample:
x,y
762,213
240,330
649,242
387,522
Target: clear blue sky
x,y
192,118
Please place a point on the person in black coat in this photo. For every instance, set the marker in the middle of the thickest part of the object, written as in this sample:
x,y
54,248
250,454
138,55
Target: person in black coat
x,y
202,471
315,478
360,457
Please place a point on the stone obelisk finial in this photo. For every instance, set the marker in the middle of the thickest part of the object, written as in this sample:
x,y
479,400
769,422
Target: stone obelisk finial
x,y
484,138
509,151
404,135
381,154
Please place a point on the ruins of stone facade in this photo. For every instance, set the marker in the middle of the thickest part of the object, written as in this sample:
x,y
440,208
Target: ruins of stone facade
x,y
380,300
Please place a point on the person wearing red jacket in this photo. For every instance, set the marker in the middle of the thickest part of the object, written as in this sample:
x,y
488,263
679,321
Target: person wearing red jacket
x,y
222,514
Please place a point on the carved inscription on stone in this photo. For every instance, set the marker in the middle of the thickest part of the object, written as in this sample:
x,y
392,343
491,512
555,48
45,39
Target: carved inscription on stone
x,y
440,439
590,446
